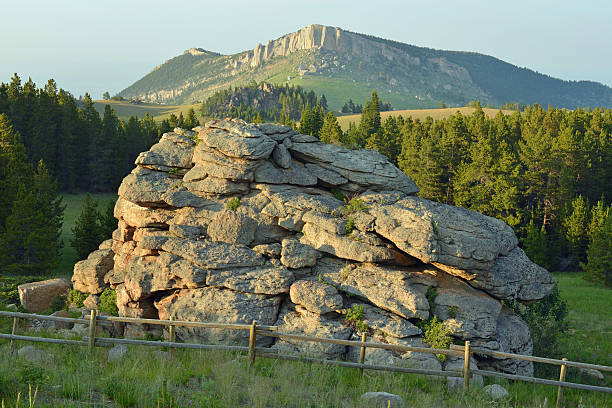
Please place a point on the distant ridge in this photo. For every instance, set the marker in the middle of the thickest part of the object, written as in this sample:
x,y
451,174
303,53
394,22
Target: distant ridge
x,y
344,65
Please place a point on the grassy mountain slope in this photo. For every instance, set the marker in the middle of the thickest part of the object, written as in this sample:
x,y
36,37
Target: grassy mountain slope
x,y
345,65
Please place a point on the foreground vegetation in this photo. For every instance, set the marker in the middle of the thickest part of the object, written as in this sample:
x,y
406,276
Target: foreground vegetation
x,y
147,377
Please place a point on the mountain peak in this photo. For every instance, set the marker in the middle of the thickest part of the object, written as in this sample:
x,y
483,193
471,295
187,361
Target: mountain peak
x,y
345,65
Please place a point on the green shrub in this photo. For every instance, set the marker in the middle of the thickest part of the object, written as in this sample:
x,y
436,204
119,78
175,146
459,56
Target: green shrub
x,y
233,204
352,206
76,297
354,317
338,194
9,293
108,302
431,294
350,225
546,320
437,335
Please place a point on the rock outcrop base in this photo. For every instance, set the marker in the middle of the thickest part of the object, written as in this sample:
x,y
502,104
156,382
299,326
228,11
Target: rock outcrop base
x,y
235,222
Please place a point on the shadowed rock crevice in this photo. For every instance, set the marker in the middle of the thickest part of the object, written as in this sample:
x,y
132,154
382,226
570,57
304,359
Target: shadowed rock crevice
x,y
234,222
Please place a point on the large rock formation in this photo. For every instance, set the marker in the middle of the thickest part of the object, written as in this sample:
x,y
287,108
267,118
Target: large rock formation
x,y
235,222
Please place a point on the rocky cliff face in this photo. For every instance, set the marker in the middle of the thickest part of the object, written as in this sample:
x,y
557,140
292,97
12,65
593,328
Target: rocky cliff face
x,y
235,222
334,39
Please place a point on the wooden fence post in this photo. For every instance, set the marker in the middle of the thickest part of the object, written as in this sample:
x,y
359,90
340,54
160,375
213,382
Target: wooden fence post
x,y
252,342
362,353
466,366
172,336
92,331
560,389
171,332
13,332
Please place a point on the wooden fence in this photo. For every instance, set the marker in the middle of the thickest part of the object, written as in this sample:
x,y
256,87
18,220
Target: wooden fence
x,y
255,330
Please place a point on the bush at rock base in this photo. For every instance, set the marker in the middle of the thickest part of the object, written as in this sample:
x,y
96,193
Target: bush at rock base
x,y
437,335
76,298
108,302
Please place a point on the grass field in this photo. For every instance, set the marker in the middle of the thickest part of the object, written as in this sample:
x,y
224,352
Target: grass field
x,y
73,210
589,338
420,114
159,112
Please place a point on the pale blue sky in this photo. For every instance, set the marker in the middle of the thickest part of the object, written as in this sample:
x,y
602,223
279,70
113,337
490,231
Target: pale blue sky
x,y
89,45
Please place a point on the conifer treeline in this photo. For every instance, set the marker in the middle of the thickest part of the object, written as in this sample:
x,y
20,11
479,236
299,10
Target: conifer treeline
x,y
546,173
262,102
84,151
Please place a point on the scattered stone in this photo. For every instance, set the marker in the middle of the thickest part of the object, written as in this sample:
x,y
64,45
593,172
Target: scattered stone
x,y
495,391
381,400
37,297
32,355
590,372
61,325
117,353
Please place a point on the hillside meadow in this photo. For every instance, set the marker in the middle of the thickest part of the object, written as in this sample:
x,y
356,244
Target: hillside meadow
x,y
124,109
421,114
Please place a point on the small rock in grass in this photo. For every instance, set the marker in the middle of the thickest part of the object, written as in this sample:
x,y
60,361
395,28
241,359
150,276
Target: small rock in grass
x,y
592,373
457,382
117,353
382,400
61,325
32,354
495,391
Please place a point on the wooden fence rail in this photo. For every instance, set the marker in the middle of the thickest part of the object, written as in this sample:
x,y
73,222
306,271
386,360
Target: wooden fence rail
x,y
256,330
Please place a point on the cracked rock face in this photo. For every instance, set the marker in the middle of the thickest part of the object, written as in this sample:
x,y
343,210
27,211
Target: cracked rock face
x,y
237,222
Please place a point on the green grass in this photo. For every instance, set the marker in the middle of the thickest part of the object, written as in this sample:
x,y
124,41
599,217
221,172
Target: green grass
x,y
144,378
420,114
73,210
590,320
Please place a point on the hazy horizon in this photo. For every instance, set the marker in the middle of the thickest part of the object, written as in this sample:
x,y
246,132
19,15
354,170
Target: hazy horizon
x,y
91,47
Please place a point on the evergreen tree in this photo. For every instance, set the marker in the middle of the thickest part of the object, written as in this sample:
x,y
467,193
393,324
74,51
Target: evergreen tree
x,y
306,121
192,121
29,242
317,120
599,255
599,212
87,234
14,167
331,131
576,229
536,245
50,203
370,119
323,103
107,220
